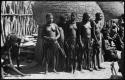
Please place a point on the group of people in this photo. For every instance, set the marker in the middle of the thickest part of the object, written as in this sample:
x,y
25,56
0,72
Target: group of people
x,y
113,42
113,33
72,45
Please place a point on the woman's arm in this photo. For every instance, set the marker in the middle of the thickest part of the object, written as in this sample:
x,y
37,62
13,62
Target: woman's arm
x,y
58,33
79,39
93,24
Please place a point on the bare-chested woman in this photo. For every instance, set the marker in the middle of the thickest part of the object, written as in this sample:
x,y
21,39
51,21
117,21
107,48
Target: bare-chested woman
x,y
62,24
50,34
70,38
85,35
97,41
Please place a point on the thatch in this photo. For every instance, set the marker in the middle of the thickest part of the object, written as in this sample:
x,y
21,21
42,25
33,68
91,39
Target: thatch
x,y
41,8
112,9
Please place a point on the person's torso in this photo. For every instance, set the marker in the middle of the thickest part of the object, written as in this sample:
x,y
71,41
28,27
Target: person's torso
x,y
98,30
61,34
50,30
62,28
86,30
71,30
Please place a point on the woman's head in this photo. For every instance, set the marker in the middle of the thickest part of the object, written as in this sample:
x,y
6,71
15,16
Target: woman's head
x,y
73,16
98,16
86,17
49,18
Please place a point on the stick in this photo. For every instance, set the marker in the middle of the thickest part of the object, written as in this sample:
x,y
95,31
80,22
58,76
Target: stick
x,y
62,50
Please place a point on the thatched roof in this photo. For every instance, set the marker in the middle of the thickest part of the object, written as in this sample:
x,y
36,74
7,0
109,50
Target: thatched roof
x,y
110,9
63,7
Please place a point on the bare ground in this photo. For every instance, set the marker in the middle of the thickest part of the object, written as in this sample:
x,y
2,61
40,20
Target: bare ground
x,y
35,72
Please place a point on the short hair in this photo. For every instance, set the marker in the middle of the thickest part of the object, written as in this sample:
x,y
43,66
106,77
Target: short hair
x,y
97,14
86,15
49,14
74,14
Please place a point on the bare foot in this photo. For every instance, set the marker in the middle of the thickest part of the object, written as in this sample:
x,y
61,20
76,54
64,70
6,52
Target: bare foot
x,y
96,68
82,71
101,68
54,71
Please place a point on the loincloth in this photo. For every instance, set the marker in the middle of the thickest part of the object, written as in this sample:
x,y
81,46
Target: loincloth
x,y
87,43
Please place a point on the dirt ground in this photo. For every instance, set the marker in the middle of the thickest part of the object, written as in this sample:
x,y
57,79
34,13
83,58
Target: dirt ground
x,y
35,72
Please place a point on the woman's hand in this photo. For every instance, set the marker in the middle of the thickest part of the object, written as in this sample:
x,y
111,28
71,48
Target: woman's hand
x,y
82,45
53,39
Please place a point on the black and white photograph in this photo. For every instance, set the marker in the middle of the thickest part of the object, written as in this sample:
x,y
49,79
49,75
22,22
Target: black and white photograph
x,y
62,39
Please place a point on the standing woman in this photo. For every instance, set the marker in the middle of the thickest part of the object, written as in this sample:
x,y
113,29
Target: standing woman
x,y
86,41
97,27
62,25
70,38
49,34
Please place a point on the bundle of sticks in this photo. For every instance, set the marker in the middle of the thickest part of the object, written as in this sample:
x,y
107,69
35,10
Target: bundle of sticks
x,y
17,17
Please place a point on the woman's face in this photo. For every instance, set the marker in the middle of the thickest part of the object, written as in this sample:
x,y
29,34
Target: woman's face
x,y
66,19
86,17
73,17
49,19
100,17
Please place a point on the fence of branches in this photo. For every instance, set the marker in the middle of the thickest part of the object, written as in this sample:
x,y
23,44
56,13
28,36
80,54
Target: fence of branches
x,y
17,17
